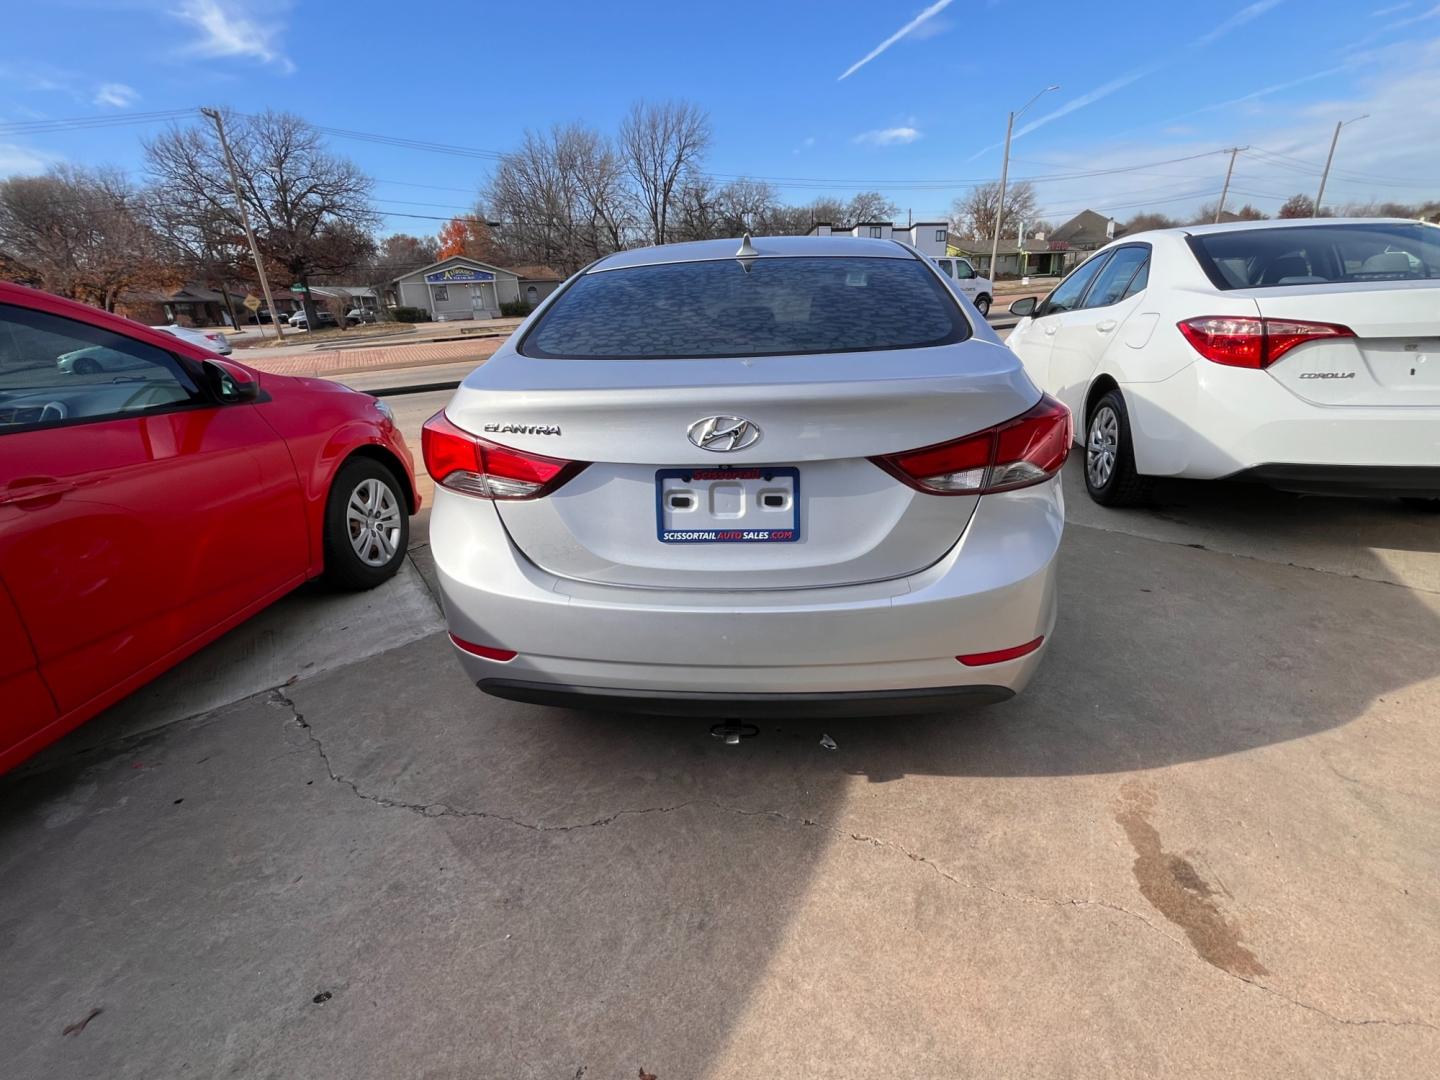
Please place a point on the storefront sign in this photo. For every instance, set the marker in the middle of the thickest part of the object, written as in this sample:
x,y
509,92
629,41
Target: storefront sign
x,y
458,273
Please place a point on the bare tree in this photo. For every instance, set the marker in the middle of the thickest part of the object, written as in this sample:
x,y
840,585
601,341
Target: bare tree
x,y
310,209
1298,206
560,199
870,206
974,214
1144,222
84,233
660,144
208,247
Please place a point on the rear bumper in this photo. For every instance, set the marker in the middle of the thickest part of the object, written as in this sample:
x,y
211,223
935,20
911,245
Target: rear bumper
x,y
993,590
1385,481
1207,422
790,706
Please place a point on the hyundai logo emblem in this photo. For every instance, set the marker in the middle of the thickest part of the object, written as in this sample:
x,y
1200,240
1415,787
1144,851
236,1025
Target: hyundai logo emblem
x,y
724,433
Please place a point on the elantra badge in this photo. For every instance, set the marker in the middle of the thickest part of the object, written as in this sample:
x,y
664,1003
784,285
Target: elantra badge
x,y
724,433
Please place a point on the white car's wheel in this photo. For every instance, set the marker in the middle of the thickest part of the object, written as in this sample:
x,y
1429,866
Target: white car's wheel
x,y
1110,475
982,305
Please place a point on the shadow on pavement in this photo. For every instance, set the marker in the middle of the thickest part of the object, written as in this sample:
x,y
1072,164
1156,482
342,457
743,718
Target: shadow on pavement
x,y
487,888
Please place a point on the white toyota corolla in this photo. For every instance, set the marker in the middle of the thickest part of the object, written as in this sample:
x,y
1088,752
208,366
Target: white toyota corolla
x,y
1304,354
799,476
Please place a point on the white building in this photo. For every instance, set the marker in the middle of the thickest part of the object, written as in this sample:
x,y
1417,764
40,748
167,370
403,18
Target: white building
x,y
927,237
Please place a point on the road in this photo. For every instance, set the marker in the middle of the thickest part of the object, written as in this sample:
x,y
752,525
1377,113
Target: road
x,y
1205,843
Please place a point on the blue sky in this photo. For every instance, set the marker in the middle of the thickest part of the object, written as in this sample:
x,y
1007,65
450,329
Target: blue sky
x,y
821,97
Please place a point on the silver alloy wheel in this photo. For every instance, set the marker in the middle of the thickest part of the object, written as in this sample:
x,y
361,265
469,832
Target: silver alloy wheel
x,y
983,306
373,518
1101,446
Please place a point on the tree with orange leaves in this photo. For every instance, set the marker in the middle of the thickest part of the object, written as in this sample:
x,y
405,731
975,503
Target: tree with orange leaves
x,y
468,236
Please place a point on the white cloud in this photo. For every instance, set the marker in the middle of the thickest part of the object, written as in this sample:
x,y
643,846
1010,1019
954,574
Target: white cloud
x,y
910,27
895,136
22,160
116,95
805,144
227,29
1391,10
1239,19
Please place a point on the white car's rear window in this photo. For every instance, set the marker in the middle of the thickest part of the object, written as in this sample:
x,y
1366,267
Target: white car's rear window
x,y
1319,254
772,306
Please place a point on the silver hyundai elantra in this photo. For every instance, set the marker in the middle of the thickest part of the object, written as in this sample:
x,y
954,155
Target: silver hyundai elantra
x,y
793,476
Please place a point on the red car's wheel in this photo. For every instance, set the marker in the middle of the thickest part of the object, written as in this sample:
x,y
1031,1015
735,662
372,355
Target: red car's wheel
x,y
367,525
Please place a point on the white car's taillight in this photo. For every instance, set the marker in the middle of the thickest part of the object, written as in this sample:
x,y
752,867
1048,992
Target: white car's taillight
x,y
1248,342
1020,452
461,462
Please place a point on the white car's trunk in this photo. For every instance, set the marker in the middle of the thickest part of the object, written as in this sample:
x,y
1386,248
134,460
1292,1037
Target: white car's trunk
x,y
1394,358
820,417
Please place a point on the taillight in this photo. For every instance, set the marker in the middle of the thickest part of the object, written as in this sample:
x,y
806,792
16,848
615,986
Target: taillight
x,y
216,337
461,462
999,656
1020,452
1248,342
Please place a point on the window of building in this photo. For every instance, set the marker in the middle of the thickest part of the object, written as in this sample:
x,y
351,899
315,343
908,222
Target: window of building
x,y
875,232
939,236
442,292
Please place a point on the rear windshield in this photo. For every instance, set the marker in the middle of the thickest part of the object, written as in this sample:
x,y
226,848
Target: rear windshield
x,y
1319,255
776,306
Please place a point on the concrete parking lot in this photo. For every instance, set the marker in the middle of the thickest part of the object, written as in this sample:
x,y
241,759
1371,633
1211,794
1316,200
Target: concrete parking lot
x,y
1206,842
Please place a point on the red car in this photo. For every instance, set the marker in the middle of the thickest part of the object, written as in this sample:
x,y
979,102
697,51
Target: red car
x,y
154,495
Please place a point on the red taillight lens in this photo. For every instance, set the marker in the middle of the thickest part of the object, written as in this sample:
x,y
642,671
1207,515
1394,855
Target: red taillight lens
x,y
1248,342
999,656
1020,452
486,652
461,462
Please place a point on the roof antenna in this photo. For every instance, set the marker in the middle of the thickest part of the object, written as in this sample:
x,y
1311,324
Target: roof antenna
x,y
747,249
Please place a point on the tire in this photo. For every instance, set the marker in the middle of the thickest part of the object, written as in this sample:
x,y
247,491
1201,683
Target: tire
x,y
1109,462
366,502
982,305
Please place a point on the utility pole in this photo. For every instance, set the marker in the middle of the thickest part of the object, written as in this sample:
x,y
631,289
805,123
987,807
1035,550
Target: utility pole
x,y
1326,174
1220,206
1004,176
214,114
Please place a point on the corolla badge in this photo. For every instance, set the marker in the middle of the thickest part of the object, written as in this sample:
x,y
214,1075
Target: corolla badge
x,y
724,433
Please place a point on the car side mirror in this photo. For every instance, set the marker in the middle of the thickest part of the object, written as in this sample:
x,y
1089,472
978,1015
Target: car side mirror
x,y
231,383
1025,306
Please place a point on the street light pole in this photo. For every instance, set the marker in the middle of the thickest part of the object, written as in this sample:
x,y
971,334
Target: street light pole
x,y
1326,174
214,114
1004,176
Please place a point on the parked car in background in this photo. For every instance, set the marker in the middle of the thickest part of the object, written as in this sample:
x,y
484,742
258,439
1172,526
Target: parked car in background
x,y
978,290
213,340
790,478
149,504
322,319
1304,354
356,316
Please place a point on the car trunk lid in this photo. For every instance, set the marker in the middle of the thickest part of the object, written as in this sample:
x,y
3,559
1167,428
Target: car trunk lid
x,y
815,420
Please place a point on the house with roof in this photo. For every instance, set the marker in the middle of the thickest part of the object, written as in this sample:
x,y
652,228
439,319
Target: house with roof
x,y
460,287
1087,231
927,237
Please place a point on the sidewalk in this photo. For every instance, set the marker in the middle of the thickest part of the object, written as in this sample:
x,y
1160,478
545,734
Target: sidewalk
x,y
330,362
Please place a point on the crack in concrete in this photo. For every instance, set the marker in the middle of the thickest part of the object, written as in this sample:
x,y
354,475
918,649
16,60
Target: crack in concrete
x,y
439,810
